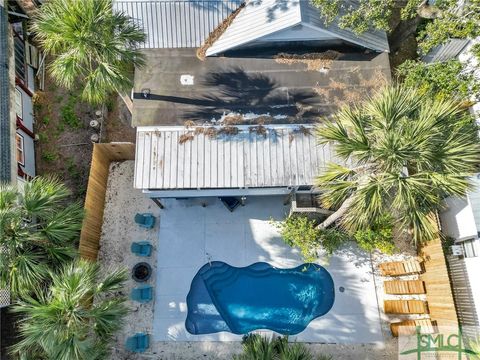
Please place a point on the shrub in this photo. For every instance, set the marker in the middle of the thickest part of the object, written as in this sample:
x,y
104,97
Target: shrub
x,y
49,156
445,79
257,347
378,237
68,113
300,232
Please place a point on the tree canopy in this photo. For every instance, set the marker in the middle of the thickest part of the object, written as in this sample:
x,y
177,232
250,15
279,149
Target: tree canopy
x,y
447,19
402,154
76,318
92,46
37,233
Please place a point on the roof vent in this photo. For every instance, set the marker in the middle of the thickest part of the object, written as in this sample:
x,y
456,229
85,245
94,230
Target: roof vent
x,y
186,79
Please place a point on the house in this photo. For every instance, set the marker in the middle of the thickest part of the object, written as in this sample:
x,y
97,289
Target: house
x,y
460,220
230,93
20,61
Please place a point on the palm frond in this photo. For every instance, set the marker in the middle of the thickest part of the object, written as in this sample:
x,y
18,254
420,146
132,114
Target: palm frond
x,y
42,196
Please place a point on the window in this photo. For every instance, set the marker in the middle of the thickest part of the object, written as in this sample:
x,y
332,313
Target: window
x,y
18,103
19,147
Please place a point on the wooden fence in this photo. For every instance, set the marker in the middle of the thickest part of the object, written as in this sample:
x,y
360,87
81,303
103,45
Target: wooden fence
x,y
103,155
437,283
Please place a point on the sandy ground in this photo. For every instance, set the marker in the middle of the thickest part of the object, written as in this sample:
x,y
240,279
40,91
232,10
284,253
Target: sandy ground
x,y
119,230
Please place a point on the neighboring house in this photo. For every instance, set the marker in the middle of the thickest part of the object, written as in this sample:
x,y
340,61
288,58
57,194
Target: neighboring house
x,y
20,61
460,220
272,68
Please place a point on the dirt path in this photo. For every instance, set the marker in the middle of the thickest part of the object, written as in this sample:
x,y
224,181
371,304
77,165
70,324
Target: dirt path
x,y
64,146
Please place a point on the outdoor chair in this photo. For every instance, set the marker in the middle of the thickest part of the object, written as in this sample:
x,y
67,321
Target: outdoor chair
x,y
142,294
404,287
141,248
399,268
410,327
146,220
405,307
138,343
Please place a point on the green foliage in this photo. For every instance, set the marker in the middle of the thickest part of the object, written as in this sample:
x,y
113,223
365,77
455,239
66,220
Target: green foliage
x,y
76,318
42,137
453,22
449,20
378,237
110,103
37,233
256,347
300,232
49,156
475,50
72,168
91,45
408,152
441,79
68,114
46,120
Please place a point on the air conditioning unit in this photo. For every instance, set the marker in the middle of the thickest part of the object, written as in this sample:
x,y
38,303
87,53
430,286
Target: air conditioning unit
x,y
457,250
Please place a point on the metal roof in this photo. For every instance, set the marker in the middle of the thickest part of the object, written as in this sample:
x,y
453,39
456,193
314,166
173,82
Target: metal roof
x,y
272,16
286,156
5,142
177,24
447,51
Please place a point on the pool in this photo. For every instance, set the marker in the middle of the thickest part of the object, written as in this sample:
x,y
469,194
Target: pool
x,y
239,300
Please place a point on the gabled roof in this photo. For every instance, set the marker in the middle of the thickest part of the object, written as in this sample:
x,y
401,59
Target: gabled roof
x,y
261,18
177,23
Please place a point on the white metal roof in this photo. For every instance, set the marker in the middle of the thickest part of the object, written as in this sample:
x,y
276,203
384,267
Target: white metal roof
x,y
176,23
260,18
284,157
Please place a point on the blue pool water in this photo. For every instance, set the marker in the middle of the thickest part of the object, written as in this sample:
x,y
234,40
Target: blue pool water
x,y
259,296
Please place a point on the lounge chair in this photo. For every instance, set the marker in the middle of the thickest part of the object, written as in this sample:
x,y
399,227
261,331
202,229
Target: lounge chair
x,y
402,287
405,307
399,268
146,220
410,327
141,248
142,294
138,343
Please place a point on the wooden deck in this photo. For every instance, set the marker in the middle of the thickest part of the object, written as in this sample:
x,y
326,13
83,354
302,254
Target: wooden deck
x,y
437,285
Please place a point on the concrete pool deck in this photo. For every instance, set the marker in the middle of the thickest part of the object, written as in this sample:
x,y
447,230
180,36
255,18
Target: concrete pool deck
x,y
352,328
194,231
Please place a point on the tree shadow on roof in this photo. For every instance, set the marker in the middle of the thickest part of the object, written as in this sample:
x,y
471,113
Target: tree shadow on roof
x,y
235,90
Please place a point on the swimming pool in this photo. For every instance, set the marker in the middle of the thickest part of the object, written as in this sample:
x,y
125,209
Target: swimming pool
x,y
259,296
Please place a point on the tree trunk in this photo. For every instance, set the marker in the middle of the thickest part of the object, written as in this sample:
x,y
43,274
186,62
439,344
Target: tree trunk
x,y
128,102
337,214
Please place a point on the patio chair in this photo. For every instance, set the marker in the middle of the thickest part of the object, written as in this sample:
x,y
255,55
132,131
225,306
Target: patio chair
x,y
410,327
399,268
141,248
138,343
404,287
405,307
146,220
142,294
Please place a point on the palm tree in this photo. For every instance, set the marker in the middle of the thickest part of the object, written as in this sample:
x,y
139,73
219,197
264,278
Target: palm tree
x,y
76,318
256,347
405,153
92,45
37,231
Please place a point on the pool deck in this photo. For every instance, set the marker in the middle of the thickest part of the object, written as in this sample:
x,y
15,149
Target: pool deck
x,y
190,235
184,236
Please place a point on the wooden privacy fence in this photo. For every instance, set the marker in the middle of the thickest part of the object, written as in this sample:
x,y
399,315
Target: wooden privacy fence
x,y
437,284
103,155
